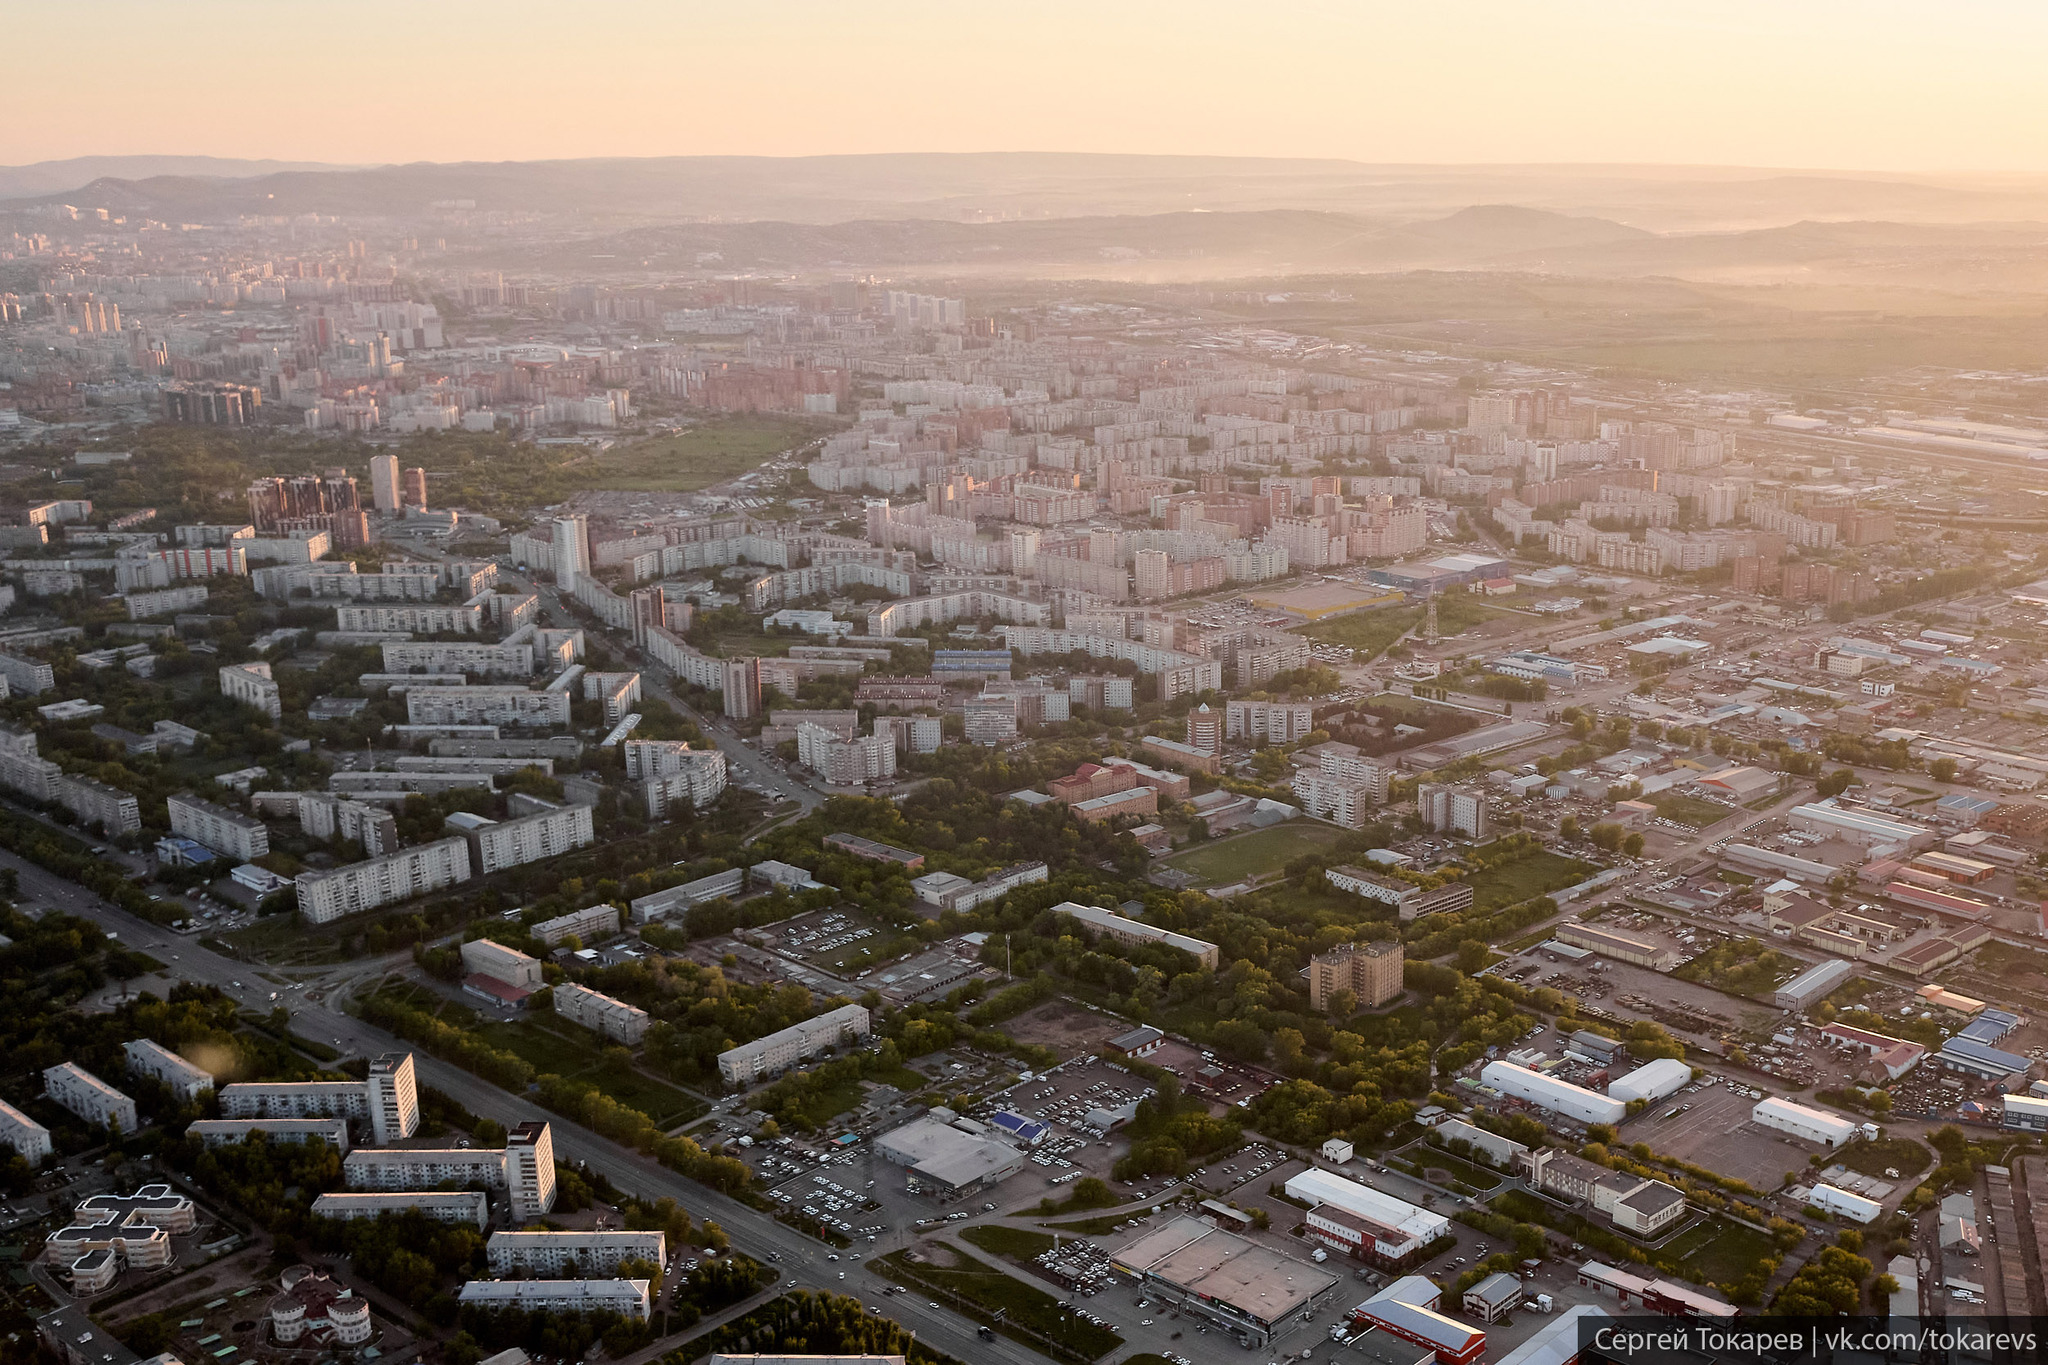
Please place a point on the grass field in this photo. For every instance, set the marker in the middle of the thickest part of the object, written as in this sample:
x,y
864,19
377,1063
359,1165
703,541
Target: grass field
x,y
1534,875
580,1058
1692,810
1717,1252
1266,850
1903,1155
1012,1242
704,455
1368,633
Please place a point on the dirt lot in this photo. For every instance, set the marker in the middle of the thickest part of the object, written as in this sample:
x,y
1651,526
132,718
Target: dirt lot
x,y
1066,1029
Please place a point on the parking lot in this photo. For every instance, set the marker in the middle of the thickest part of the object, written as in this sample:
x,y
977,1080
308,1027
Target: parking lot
x,y
1717,1133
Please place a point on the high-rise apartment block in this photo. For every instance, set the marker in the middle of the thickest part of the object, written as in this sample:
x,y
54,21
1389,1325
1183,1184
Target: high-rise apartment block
x,y
384,482
498,844
1459,810
386,1100
530,1169
1370,971
328,896
227,833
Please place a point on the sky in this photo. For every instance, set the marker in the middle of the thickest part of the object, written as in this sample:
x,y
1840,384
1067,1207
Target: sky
x,y
1875,85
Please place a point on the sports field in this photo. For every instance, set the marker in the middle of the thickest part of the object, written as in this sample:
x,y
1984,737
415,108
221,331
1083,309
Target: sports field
x,y
1239,856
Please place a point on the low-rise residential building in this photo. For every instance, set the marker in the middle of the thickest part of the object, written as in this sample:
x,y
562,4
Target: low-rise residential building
x,y
180,1077
627,1298
590,924
615,1019
544,1254
72,1087
785,1048
422,1168
228,1132
251,685
29,1139
442,1206
1135,932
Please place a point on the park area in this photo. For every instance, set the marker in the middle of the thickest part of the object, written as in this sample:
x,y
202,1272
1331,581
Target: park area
x,y
1224,862
1537,874
696,458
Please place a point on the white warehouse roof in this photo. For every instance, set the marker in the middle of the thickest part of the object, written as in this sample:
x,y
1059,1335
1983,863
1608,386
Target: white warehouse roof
x,y
1665,1076
1321,1187
1548,1092
1799,1120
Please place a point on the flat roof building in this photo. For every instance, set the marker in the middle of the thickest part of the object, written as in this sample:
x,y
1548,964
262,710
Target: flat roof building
x,y
1372,972
27,1137
614,1019
90,1098
1811,985
786,1047
1575,1102
628,1298
948,1159
226,1132
443,1206
387,1099
1249,1290
1801,1121
551,1253
1134,932
1386,1229
180,1077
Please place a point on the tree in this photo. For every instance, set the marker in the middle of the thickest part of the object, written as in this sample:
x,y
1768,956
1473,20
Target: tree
x,y
1607,836
1835,783
1568,828
1343,1002
1633,846
1942,770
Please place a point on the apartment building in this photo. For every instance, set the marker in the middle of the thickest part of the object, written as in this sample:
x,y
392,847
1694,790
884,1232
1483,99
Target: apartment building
x,y
422,1168
615,1019
27,1137
180,1077
495,845
228,1132
328,896
1343,801
1276,722
421,618
225,832
618,691
590,924
544,1254
530,1169
989,720
486,704
864,758
72,1087
96,803
27,677
627,1298
781,1050
387,1099
324,815
504,659
251,685
1134,933
1459,810
1108,693
1370,971
443,1206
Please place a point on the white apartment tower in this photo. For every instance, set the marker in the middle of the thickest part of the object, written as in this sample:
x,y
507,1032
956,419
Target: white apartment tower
x,y
572,550
530,1169
393,1099
384,482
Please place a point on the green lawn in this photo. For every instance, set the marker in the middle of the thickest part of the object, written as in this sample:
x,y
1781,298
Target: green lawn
x,y
571,1056
1903,1155
1013,1242
547,1050
1535,875
1477,1176
1368,632
1266,850
1717,1252
709,453
1693,810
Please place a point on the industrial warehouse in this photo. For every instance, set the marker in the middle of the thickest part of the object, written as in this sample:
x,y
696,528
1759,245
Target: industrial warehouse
x,y
1240,1286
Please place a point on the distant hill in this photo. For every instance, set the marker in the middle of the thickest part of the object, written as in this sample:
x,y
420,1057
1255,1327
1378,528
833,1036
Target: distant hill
x,y
60,177
1031,186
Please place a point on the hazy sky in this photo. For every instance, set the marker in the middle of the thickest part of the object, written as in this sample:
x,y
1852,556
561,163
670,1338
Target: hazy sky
x,y
1876,84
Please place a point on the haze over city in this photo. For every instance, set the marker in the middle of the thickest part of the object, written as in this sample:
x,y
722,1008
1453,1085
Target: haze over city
x,y
1130,684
